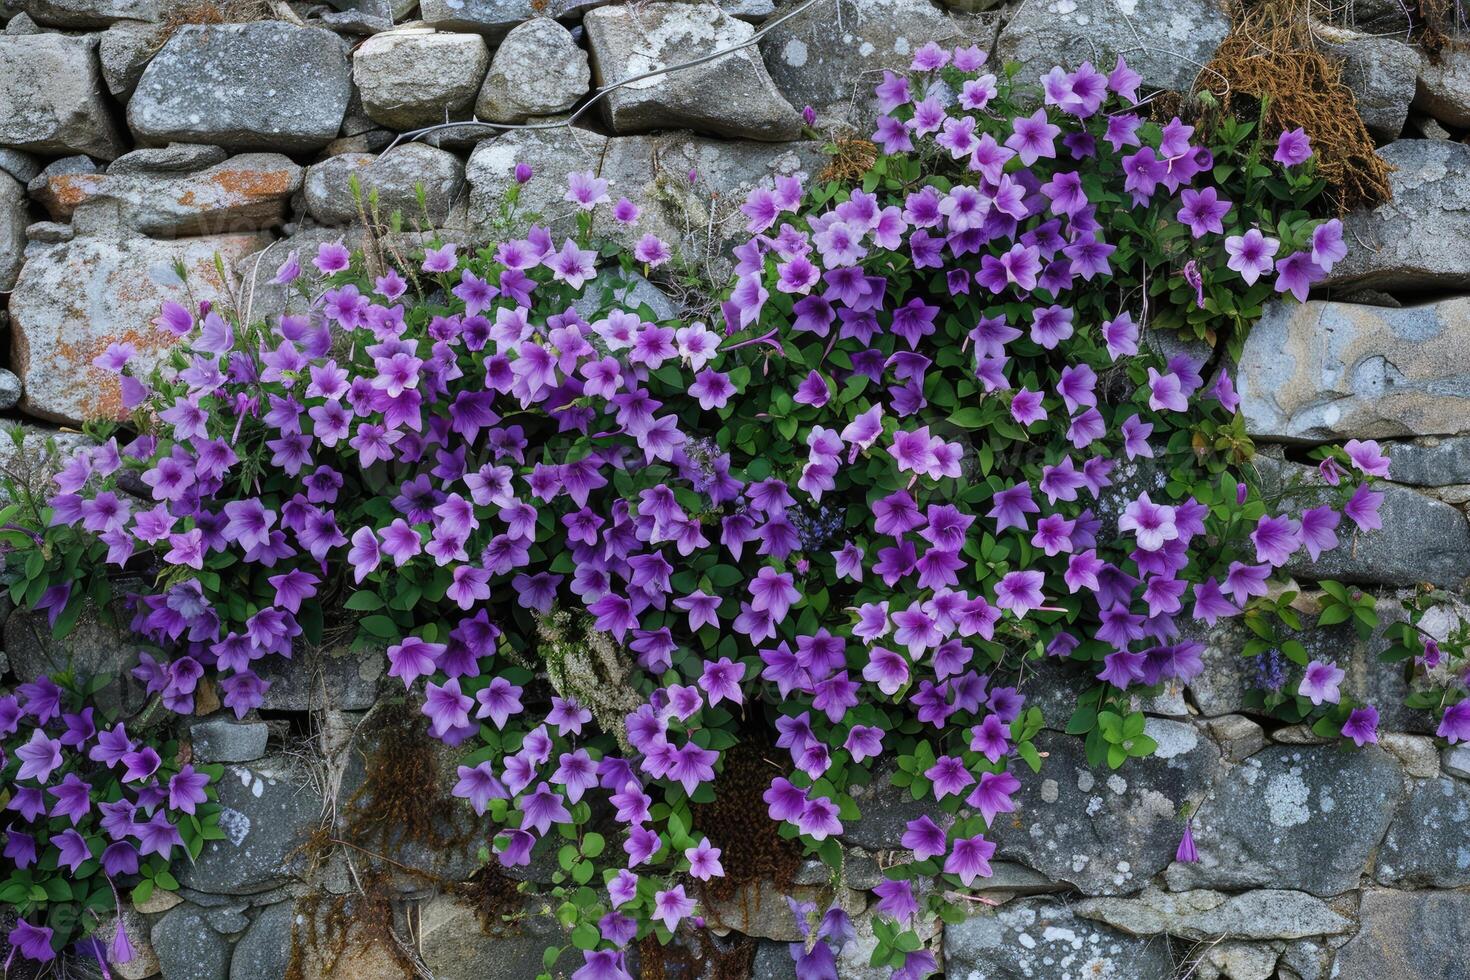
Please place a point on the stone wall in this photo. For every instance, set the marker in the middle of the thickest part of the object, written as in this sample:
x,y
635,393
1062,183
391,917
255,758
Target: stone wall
x,y
140,134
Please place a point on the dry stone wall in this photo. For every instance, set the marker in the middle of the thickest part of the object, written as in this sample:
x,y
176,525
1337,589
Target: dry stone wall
x,y
136,135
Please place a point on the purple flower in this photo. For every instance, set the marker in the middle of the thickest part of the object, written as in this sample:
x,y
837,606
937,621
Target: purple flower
x,y
602,964
1296,274
33,942
969,858
1033,137
1202,211
585,190
1293,147
523,173
1455,725
1252,254
1020,592
1362,725
1319,683
39,757
672,906
1186,851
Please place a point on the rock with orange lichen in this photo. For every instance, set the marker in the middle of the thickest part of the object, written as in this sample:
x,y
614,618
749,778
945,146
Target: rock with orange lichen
x,y
243,193
74,299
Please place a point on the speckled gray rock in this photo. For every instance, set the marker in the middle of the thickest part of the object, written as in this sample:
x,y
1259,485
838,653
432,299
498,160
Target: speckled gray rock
x,y
1165,41
21,166
492,18
14,217
51,88
1456,760
266,85
1035,938
412,77
1421,540
175,158
243,193
538,70
187,946
264,952
74,299
1326,371
1431,461
1412,241
1444,86
94,13
455,947
1107,831
1277,820
125,50
394,176
267,809
227,740
885,811
629,291
1263,913
827,56
1381,73
1423,935
552,155
313,679
730,96
1428,843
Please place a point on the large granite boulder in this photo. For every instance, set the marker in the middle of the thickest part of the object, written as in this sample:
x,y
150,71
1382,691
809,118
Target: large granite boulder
x,y
243,193
1165,41
730,96
1413,241
538,70
1324,371
1427,845
394,176
266,85
1107,832
829,55
51,94
74,299
411,77
1408,934
1281,819
267,809
1041,937
1381,72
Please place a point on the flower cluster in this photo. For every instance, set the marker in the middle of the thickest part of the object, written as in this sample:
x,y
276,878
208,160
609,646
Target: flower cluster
x,y
927,445
91,809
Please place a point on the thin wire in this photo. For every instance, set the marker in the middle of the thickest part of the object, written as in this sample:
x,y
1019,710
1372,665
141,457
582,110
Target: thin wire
x,y
609,89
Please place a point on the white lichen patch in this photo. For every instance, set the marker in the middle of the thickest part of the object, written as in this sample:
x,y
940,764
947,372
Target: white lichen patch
x,y
1286,798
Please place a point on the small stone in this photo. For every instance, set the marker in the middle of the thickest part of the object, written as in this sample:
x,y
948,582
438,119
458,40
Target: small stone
x,y
492,18
264,952
248,191
91,13
538,70
188,947
73,300
628,291
1456,760
1411,242
1239,737
1381,73
266,85
1425,846
21,166
1033,938
144,963
173,158
1418,754
159,901
394,176
227,920
1299,735
21,25
1165,41
759,909
1264,913
1276,820
125,50
731,96
1408,934
1444,86
1238,961
10,389
51,87
226,740
356,23
411,77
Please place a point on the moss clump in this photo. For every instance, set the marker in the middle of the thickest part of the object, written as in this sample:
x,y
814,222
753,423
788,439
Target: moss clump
x,y
737,823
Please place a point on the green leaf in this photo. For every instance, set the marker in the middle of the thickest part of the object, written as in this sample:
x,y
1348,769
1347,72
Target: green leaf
x,y
364,601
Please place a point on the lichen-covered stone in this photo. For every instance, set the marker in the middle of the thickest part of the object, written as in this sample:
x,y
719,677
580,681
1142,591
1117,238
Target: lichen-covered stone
x,y
1408,934
1381,73
1026,940
538,70
264,952
187,946
1263,913
829,55
1323,371
125,50
552,155
1411,242
266,85
266,811
1428,843
73,300
51,91
228,740
170,159
1279,820
730,96
243,193
1107,832
1165,41
94,13
394,176
492,18
411,77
